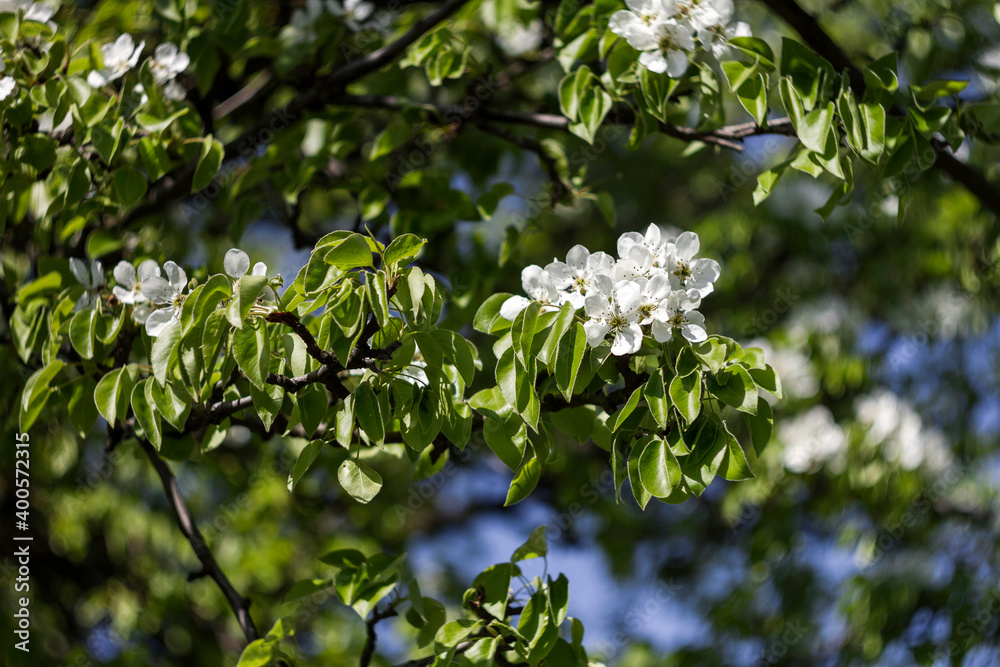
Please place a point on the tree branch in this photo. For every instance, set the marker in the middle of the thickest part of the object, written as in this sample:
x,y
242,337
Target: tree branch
x,y
369,650
239,604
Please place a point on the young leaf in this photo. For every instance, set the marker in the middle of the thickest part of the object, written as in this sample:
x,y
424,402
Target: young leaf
x,y
685,393
525,478
36,393
209,163
252,353
302,463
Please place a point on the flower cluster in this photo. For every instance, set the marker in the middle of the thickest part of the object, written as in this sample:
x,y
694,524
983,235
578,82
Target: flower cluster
x,y
654,287
354,13
123,55
666,30
156,295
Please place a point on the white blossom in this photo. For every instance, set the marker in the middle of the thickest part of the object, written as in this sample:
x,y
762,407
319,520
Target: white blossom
x,y
537,284
129,287
119,57
811,439
893,423
237,263
518,39
40,12
618,314
576,277
664,30
167,292
689,273
678,313
354,12
92,278
167,62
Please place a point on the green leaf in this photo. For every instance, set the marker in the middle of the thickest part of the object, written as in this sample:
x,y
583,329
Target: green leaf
x,y
360,481
36,393
768,380
349,253
570,356
209,163
761,425
523,331
164,353
734,387
525,478
302,464
130,185
619,417
142,406
402,249
81,332
659,471
639,492
537,545
734,466
507,439
489,312
881,74
656,397
368,413
701,465
114,392
550,349
757,49
685,393
252,353
249,288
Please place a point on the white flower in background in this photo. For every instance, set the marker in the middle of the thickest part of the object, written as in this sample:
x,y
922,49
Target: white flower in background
x,y
714,38
237,263
33,11
518,39
92,278
538,284
168,61
7,87
618,315
119,57
892,422
354,12
577,275
797,377
129,287
811,439
167,292
141,312
689,273
301,24
679,314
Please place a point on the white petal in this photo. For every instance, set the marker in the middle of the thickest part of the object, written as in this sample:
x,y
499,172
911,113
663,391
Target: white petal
x,y
236,263
629,297
597,306
96,274
706,269
626,241
577,257
97,79
677,63
158,320
686,246
148,269
662,331
80,271
627,341
630,26
693,333
176,276
259,269
123,295
600,262
596,331
653,61
141,312
512,306
124,274
158,290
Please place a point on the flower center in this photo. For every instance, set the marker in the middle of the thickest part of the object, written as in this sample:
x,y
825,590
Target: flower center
x,y
667,43
617,322
683,271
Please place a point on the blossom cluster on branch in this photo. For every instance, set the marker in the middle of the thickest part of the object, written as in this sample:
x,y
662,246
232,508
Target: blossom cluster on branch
x,y
654,287
156,300
669,31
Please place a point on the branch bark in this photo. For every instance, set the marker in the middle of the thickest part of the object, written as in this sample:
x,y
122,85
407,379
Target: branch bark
x,y
210,568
